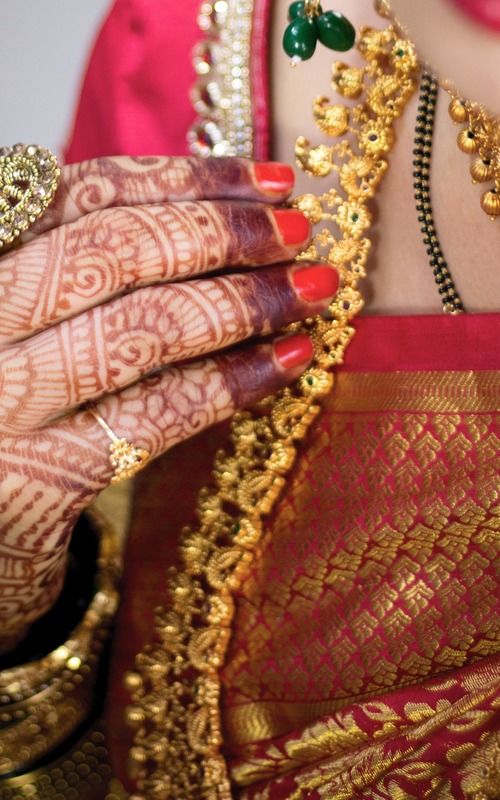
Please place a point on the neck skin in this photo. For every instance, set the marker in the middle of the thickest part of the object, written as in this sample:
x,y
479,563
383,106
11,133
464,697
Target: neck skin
x,y
400,280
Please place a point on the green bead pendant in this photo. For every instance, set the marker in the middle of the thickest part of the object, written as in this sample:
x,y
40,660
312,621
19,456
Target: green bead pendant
x,y
298,9
300,38
335,31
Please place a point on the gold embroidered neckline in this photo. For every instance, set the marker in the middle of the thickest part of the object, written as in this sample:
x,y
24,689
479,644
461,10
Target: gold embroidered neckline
x,y
222,94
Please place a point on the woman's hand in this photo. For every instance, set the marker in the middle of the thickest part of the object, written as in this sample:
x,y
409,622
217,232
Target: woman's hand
x,y
110,301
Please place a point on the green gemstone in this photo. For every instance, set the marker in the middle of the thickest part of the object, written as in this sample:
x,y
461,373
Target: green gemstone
x,y
335,31
299,40
298,9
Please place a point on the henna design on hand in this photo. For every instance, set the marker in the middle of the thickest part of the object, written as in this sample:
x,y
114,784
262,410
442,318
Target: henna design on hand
x,y
123,181
114,345
82,315
106,254
39,506
45,480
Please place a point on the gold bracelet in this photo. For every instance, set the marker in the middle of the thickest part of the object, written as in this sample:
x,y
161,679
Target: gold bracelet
x,y
81,772
44,702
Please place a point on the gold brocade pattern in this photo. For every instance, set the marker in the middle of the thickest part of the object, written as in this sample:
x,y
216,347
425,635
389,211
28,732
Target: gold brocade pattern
x,y
362,663
376,750
381,568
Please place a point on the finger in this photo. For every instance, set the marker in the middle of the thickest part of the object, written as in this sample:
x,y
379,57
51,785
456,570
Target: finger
x,y
102,255
114,345
56,472
164,409
123,181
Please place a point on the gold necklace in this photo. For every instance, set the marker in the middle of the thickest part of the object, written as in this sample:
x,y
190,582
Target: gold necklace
x,y
176,688
479,138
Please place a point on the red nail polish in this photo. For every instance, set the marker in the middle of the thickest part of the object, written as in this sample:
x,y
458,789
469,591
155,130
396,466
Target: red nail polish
x,y
293,226
316,283
274,177
294,351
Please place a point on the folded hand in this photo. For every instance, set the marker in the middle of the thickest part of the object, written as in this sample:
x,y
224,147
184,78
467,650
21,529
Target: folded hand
x,y
120,296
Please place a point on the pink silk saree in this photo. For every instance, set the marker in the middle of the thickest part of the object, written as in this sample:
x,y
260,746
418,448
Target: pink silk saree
x,y
364,660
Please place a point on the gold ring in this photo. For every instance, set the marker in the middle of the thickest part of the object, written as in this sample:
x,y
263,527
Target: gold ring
x,y
125,458
29,176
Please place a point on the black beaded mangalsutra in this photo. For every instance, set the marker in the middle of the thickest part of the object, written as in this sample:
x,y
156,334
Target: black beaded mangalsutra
x,y
422,163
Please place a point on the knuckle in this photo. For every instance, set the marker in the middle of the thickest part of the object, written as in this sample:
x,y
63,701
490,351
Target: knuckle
x,y
249,375
196,237
222,176
138,331
252,237
270,297
94,184
101,255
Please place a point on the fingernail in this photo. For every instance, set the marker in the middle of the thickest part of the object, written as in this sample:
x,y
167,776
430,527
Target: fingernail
x,y
274,177
316,283
294,350
293,226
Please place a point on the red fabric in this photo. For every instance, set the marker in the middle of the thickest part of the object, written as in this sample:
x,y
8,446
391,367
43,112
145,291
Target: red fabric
x,y
421,343
375,586
130,103
135,98
409,759
165,502
260,79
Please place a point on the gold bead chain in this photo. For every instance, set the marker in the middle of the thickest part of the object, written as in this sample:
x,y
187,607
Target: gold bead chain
x,y
480,138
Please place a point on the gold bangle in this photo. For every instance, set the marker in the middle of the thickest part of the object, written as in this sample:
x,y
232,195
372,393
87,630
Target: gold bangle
x,y
29,176
44,702
81,772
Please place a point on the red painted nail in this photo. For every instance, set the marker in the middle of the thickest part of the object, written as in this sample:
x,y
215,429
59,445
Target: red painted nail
x,y
294,350
293,225
316,283
274,177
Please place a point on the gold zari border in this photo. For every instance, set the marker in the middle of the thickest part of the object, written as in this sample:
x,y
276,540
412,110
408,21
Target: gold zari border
x,y
257,719
434,392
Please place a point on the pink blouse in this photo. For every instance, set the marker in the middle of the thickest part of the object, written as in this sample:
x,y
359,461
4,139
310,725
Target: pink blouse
x,y
135,96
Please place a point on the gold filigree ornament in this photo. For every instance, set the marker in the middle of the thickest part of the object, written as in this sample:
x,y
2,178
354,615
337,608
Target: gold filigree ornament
x,y
176,686
29,176
125,458
480,138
